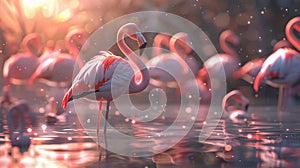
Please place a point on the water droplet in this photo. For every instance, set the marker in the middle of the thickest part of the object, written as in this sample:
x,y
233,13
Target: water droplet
x,y
228,148
262,12
188,110
69,138
249,136
29,130
88,120
44,127
117,113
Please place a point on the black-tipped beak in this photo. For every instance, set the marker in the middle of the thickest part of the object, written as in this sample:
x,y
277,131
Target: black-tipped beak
x,y
246,107
142,42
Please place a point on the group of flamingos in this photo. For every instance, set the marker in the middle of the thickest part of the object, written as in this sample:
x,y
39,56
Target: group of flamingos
x,y
107,76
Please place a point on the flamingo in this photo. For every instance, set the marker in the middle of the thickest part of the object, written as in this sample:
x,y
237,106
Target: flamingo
x,y
235,106
105,76
181,44
228,60
56,67
161,64
249,71
18,68
281,69
16,125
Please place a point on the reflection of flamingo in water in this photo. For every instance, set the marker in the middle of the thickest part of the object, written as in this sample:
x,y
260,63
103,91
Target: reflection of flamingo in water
x,y
18,68
52,115
16,125
162,64
235,106
281,69
105,76
228,61
56,67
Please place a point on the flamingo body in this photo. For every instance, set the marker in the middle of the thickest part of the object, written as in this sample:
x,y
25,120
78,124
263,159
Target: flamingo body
x,y
22,65
280,69
57,69
227,62
162,67
96,77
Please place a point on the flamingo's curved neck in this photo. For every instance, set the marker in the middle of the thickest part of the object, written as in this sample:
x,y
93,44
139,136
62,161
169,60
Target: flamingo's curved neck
x,y
159,41
180,45
293,39
32,44
130,29
224,39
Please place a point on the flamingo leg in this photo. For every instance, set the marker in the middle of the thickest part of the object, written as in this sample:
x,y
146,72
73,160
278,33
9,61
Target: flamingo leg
x,y
105,124
98,128
282,101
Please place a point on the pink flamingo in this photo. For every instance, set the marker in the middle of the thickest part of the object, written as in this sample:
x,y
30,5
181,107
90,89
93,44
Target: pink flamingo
x,y
56,67
162,64
249,71
281,69
97,77
18,68
229,60
292,38
181,44
235,106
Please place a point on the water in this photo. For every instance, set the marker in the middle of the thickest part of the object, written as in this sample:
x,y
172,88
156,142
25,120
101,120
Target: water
x,y
264,141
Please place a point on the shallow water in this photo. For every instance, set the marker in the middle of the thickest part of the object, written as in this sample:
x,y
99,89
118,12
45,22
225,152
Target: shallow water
x,y
264,141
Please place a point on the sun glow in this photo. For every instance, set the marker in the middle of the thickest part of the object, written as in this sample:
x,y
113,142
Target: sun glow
x,y
47,7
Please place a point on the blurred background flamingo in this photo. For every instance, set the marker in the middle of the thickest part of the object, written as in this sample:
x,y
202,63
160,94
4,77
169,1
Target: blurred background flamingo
x,y
250,69
57,67
281,69
18,68
94,80
229,60
163,66
235,107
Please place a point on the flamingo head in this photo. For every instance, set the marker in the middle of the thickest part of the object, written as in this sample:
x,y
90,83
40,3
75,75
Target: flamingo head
x,y
32,43
235,100
183,41
75,40
231,37
141,40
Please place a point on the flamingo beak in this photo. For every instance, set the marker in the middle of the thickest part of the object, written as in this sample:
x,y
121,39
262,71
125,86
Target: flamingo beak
x,y
142,42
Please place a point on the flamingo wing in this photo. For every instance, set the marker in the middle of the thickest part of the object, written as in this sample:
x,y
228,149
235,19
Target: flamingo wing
x,y
102,74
